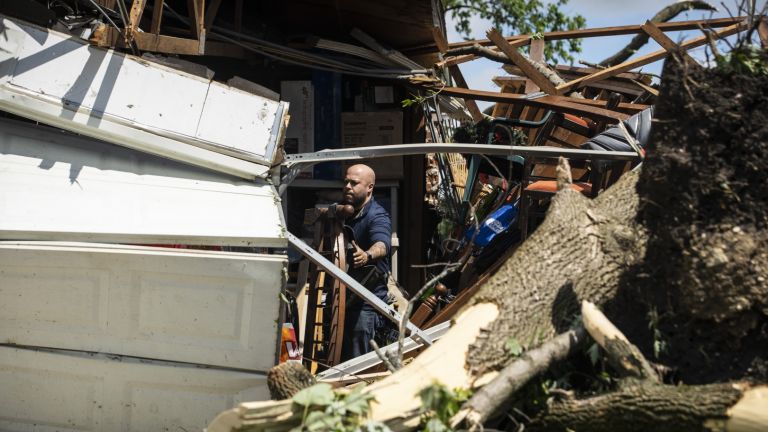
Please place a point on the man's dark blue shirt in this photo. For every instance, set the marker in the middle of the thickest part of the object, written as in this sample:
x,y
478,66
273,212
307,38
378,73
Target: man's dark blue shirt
x,y
370,225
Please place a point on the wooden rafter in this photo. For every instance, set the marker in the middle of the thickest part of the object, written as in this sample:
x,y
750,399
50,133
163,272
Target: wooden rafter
x,y
646,59
594,32
522,62
662,39
581,107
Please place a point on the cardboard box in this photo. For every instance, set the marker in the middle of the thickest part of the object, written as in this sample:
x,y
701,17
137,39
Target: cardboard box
x,y
363,129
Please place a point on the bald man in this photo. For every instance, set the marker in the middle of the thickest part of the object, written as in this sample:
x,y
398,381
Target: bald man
x,y
372,229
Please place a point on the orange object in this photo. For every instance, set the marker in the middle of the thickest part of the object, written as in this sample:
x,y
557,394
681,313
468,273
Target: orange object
x,y
289,346
551,186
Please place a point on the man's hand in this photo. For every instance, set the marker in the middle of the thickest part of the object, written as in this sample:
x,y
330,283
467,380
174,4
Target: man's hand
x,y
359,257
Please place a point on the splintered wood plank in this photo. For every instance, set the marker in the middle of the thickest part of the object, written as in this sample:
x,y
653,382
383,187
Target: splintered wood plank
x,y
646,59
474,110
663,40
522,62
157,17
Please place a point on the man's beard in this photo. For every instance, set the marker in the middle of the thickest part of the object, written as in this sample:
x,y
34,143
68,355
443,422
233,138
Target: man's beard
x,y
356,201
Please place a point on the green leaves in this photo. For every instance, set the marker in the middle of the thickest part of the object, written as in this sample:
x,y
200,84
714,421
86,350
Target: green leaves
x,y
513,347
520,17
326,410
439,404
319,394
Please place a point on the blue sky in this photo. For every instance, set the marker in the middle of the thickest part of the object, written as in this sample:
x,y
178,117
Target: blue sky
x,y
479,73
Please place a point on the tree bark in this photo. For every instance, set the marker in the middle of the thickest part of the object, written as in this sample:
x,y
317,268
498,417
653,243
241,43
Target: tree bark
x,y
659,408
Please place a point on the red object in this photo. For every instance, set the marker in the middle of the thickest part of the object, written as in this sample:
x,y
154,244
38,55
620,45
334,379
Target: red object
x,y
551,186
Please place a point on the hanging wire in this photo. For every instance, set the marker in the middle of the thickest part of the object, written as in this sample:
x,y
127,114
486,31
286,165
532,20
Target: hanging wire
x,y
297,57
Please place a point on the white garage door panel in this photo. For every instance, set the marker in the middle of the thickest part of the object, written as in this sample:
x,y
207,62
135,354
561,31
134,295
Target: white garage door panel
x,y
211,308
61,80
55,186
46,392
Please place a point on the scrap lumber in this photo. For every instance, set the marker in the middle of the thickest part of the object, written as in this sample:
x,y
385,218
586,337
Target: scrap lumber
x,y
581,107
474,110
665,14
608,31
522,62
647,59
664,41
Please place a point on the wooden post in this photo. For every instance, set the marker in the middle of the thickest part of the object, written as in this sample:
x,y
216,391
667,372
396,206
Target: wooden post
x,y
197,16
522,62
137,9
157,17
536,54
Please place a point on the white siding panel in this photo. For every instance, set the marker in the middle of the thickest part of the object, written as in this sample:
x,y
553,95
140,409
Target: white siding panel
x,y
46,392
210,308
55,186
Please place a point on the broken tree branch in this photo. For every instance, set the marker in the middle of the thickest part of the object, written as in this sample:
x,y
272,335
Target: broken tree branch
x,y
664,15
622,354
490,398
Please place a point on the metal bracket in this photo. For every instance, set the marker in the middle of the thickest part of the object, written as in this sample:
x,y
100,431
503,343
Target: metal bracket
x,y
355,286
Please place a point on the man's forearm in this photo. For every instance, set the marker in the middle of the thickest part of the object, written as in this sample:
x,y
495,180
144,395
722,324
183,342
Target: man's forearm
x,y
377,250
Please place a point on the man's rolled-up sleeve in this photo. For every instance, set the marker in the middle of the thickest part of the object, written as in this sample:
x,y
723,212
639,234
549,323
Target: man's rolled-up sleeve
x,y
381,230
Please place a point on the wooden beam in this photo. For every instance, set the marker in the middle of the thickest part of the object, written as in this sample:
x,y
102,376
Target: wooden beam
x,y
762,31
522,62
440,41
663,40
109,37
556,103
474,110
210,13
646,59
157,17
536,53
197,17
134,17
613,31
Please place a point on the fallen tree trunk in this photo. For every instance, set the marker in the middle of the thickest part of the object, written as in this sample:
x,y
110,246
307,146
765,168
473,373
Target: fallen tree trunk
x,y
689,242
662,408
